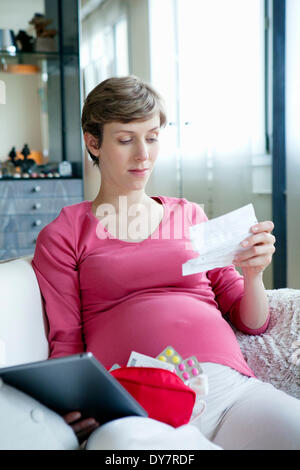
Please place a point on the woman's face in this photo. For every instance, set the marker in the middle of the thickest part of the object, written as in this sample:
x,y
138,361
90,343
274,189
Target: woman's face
x,y
126,149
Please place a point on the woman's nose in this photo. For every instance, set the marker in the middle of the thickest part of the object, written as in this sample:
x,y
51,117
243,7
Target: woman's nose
x,y
142,152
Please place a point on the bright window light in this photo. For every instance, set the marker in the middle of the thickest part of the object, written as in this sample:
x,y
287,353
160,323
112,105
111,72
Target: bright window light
x,y
210,68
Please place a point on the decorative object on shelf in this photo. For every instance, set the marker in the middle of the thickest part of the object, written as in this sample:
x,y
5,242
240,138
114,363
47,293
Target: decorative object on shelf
x,y
57,106
34,155
51,169
48,170
19,165
8,169
27,163
12,155
7,41
45,37
45,45
25,42
25,151
65,169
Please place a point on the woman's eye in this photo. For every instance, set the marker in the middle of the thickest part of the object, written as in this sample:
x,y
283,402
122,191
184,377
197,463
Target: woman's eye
x,y
150,139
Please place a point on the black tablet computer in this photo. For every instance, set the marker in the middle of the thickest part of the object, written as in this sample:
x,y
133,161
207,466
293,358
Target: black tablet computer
x,y
74,383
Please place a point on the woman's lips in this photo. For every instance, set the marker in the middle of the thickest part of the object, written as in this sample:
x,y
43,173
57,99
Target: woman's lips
x,y
139,172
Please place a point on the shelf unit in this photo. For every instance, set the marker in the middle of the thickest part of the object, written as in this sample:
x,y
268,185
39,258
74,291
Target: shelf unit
x,y
24,211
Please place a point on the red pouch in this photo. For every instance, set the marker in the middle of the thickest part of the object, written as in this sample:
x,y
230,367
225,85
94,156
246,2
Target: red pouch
x,y
160,392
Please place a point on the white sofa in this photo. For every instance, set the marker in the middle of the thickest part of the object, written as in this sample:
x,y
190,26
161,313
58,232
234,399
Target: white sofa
x,y
23,325
274,356
25,424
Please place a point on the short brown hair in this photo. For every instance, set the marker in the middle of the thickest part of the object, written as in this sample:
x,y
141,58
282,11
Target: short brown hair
x,y
120,99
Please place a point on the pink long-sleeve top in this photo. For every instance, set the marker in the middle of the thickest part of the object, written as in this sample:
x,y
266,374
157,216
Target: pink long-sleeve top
x,y
110,297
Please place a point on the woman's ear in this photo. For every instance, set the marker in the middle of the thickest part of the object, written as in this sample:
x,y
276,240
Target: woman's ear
x,y
92,144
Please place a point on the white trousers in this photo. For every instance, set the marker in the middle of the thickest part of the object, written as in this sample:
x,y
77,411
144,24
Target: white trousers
x,y
242,413
26,424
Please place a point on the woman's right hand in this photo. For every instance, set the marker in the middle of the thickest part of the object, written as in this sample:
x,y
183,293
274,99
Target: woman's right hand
x,y
82,427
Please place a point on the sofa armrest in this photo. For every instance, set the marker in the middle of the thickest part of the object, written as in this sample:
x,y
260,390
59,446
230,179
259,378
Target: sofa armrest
x,y
272,355
23,326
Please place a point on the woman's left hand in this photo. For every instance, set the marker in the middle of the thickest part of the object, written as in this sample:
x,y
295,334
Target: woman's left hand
x,y
82,427
259,252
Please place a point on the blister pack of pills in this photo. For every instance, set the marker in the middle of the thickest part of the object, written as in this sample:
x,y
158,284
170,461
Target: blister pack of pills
x,y
141,360
185,368
189,370
170,355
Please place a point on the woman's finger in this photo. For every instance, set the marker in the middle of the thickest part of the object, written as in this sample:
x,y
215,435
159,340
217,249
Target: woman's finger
x,y
84,434
254,251
266,226
88,430
72,416
262,237
83,424
256,261
256,256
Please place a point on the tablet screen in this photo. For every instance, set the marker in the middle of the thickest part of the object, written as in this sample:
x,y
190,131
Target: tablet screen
x,y
74,383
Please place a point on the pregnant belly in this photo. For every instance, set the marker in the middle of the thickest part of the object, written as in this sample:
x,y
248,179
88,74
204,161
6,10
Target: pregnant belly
x,y
150,323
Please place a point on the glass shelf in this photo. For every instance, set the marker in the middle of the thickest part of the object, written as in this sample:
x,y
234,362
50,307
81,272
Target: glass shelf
x,y
38,54
38,61
35,57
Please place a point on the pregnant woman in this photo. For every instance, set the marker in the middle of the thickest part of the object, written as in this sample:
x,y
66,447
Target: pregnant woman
x,y
110,272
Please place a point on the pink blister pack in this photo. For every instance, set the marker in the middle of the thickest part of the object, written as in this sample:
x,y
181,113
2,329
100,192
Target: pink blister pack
x,y
190,368
186,369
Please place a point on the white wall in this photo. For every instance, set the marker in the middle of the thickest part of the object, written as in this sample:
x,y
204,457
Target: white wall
x,y
20,116
106,14
293,141
139,56
15,14
139,39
